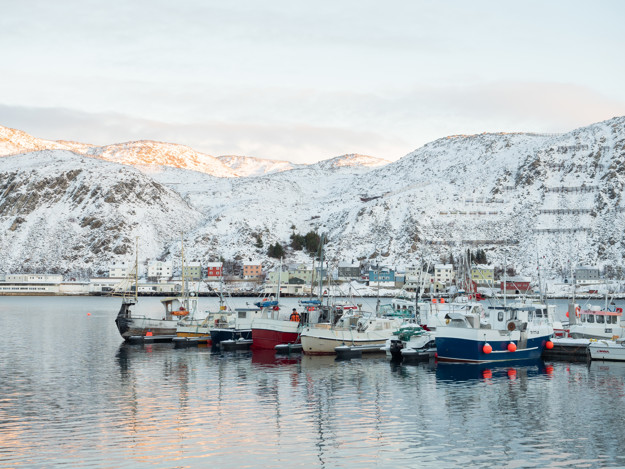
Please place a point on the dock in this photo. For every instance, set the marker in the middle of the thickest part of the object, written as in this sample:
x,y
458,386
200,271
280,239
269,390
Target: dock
x,y
149,339
567,348
355,351
181,342
288,348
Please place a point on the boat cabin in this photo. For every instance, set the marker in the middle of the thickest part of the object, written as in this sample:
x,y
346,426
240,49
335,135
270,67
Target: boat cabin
x,y
594,315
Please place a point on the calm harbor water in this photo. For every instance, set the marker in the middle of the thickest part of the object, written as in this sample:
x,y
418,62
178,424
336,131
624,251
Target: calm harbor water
x,y
73,395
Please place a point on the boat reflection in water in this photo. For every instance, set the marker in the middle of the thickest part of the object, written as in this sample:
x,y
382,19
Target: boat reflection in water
x,y
449,371
270,358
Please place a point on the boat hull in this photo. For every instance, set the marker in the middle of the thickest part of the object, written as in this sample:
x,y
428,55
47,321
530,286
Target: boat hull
x,y
267,333
132,327
218,335
471,350
607,350
324,341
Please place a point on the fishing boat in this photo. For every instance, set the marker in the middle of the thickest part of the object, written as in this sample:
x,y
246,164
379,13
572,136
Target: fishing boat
x,y
236,325
131,325
595,323
607,349
355,329
193,326
273,328
411,342
514,332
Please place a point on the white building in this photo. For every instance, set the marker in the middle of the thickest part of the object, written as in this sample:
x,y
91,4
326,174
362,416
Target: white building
x,y
29,284
160,269
444,273
121,269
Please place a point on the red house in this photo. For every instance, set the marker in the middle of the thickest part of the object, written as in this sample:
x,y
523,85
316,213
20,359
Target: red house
x,y
517,285
214,270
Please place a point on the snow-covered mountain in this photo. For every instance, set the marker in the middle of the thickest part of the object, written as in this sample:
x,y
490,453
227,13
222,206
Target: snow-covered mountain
x,y
246,166
522,197
63,211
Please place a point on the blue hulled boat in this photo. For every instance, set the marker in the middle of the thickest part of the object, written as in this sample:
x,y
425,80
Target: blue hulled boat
x,y
504,333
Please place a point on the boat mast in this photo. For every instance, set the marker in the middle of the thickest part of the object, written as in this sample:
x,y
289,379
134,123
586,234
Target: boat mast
x,y
505,285
136,269
321,270
184,287
540,285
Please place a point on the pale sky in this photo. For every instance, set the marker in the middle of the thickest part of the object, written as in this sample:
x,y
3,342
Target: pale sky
x,y
306,81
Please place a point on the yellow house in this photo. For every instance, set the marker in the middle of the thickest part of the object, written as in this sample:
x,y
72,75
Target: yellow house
x,y
483,275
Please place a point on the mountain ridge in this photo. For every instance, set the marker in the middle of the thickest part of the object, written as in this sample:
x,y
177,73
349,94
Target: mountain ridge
x,y
526,199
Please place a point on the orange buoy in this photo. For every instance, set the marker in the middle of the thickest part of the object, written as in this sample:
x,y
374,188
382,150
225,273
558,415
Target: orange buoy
x,y
567,314
487,348
434,300
549,345
511,347
442,300
487,374
88,314
148,334
512,373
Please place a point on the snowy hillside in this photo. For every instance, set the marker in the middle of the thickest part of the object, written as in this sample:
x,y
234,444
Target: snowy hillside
x,y
246,166
522,197
13,142
150,153
63,211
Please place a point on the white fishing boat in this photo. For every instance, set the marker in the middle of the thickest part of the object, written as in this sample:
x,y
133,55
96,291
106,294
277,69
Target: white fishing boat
x,y
132,325
358,328
594,322
607,349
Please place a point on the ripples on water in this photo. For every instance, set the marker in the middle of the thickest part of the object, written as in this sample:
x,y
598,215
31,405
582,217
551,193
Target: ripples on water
x,y
73,395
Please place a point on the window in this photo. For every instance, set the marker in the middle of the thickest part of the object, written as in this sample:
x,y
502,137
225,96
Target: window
x,y
591,319
600,318
500,316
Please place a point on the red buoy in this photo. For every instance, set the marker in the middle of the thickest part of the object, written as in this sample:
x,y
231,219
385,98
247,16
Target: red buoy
x,y
487,348
549,345
487,374
511,347
567,314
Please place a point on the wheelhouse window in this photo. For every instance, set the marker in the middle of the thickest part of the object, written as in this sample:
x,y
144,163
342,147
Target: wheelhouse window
x,y
591,319
600,318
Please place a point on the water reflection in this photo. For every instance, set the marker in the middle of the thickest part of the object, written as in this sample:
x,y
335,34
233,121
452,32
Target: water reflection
x,y
479,371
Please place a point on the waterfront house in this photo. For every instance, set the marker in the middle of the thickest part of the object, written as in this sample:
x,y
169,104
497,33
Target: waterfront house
x,y
121,269
193,271
483,275
160,270
252,270
214,270
516,285
348,271
382,276
444,273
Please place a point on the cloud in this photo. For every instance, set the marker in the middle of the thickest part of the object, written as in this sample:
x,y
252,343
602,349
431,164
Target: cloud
x,y
297,143
305,126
